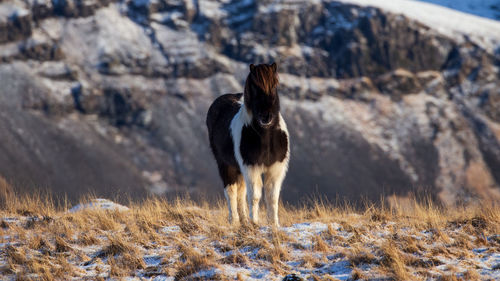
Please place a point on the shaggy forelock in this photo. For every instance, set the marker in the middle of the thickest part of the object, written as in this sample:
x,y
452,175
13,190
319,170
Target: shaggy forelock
x,y
264,77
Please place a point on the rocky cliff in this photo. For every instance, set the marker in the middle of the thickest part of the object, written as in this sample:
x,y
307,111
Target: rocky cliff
x,y
110,97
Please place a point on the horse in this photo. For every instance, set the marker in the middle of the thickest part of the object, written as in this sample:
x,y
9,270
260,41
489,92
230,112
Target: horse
x,y
249,139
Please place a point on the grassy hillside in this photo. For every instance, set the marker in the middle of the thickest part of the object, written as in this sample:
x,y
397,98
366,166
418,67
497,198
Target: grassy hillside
x,y
182,240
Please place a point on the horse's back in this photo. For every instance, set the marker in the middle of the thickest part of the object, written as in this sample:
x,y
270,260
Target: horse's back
x,y
223,107
219,117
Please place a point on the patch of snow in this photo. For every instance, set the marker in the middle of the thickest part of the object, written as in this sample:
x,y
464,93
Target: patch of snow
x,y
207,274
179,46
276,6
172,16
12,8
120,35
144,3
211,9
152,260
341,270
163,278
9,50
21,12
307,86
170,229
99,204
52,27
304,232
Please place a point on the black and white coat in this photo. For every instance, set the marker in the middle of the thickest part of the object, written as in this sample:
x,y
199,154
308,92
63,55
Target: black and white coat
x,y
260,152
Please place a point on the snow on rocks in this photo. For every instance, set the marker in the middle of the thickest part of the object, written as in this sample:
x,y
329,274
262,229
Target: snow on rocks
x,y
483,8
482,31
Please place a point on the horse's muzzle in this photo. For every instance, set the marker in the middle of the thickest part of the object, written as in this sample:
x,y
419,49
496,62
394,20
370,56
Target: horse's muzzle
x,y
267,123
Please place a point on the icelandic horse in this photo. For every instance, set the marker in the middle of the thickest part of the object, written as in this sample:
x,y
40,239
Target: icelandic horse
x,y
250,141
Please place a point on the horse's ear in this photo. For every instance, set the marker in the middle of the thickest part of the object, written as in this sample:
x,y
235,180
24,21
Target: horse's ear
x,y
252,67
274,66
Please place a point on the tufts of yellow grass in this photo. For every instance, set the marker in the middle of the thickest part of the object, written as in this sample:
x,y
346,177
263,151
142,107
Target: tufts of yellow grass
x,y
45,242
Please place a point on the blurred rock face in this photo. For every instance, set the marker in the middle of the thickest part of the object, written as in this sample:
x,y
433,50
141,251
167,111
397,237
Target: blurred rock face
x,y
110,97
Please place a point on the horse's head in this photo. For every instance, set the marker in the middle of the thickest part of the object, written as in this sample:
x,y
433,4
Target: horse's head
x,y
261,95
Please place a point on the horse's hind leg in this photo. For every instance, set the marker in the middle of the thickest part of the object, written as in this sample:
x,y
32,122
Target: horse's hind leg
x,y
231,193
242,200
230,176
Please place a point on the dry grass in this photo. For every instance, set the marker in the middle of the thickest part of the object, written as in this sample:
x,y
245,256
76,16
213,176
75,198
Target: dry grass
x,y
394,261
192,261
45,242
358,254
358,274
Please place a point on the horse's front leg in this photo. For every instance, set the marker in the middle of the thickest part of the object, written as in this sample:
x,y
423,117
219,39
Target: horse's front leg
x,y
253,179
274,177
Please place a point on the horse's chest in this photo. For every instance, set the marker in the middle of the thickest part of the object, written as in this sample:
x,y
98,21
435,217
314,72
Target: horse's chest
x,y
263,148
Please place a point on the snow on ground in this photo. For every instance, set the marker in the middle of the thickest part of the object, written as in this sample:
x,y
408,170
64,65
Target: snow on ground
x,y
335,264
194,247
99,203
452,23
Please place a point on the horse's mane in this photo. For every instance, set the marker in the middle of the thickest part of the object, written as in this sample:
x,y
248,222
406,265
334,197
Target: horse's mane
x,y
264,76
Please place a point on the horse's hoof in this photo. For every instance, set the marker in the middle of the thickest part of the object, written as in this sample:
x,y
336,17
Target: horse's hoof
x,y
293,277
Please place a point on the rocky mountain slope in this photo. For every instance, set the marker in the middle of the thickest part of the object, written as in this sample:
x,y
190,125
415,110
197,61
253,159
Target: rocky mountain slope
x,y
111,96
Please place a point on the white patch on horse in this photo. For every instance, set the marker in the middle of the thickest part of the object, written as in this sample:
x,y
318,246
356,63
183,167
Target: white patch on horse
x,y
282,126
240,119
273,179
